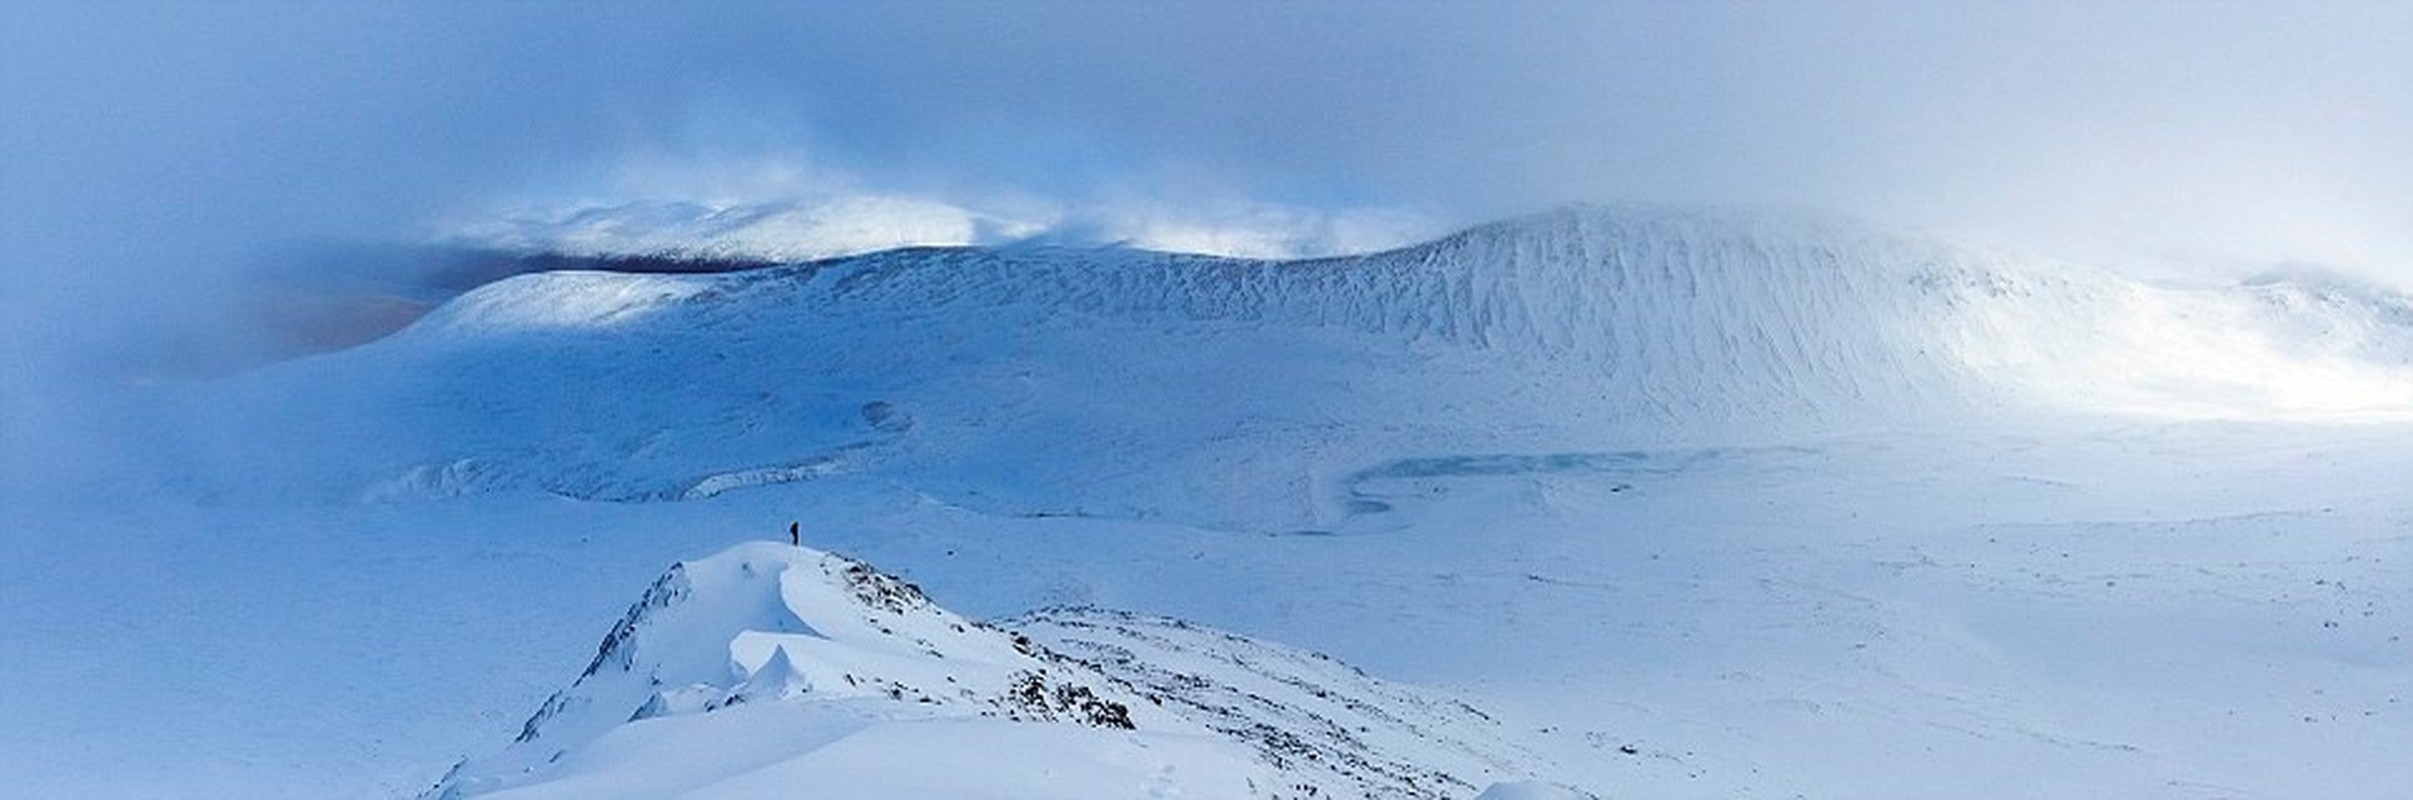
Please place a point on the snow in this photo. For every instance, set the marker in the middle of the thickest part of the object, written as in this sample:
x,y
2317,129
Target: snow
x,y
1688,505
575,301
768,624
1323,723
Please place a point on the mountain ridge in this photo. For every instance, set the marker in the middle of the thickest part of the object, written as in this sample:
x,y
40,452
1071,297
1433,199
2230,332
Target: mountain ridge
x,y
786,654
1579,330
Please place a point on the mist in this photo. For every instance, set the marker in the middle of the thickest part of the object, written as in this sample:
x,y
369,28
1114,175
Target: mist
x,y
156,153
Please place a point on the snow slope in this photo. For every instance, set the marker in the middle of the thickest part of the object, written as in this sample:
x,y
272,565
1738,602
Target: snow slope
x,y
1578,331
840,652
1680,315
768,232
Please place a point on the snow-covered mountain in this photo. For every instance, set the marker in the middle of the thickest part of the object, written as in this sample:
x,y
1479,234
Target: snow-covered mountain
x,y
768,668
1580,330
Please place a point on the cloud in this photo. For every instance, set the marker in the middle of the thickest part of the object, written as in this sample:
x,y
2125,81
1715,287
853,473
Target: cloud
x,y
1246,229
153,150
823,225
2210,137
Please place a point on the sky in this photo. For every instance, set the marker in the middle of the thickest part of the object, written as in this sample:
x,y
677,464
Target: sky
x,y
151,152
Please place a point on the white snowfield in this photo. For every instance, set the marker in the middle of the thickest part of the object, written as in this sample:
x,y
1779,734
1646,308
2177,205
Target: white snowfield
x,y
1618,502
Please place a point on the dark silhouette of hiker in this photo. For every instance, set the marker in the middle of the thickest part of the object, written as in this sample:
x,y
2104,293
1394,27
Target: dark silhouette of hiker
x,y
794,537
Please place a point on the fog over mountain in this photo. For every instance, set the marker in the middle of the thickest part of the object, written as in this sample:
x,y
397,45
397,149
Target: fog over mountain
x,y
1268,400
155,147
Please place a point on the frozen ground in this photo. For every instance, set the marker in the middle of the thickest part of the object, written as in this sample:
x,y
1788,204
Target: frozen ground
x,y
1697,506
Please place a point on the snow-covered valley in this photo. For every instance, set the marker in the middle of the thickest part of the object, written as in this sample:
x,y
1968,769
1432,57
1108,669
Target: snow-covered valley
x,y
1675,504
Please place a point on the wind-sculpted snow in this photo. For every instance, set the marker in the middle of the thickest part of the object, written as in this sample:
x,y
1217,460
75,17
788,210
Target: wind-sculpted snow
x,y
1666,315
775,656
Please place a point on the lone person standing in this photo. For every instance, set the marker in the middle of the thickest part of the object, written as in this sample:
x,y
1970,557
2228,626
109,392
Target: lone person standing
x,y
795,538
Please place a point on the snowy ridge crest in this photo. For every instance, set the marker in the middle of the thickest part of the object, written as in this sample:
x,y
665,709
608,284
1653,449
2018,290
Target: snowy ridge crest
x,y
785,617
808,652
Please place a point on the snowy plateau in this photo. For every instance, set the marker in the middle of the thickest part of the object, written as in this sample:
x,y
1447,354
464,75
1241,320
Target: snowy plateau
x,y
1599,502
